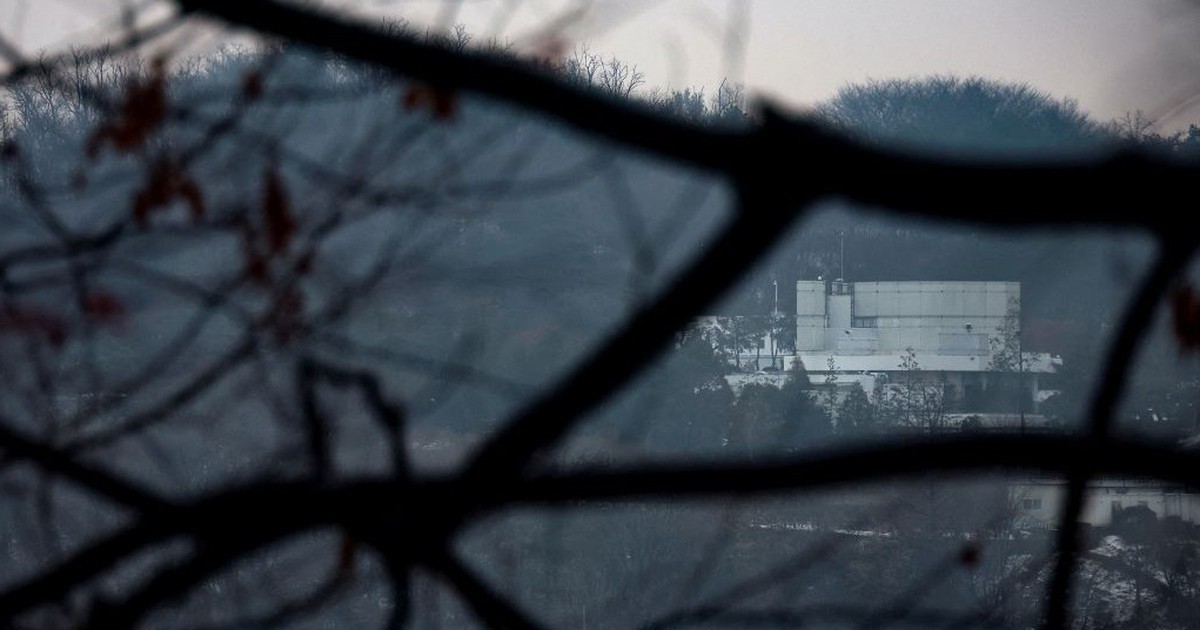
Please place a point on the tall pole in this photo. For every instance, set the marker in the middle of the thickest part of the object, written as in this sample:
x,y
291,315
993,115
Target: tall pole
x,y
1021,377
842,247
774,321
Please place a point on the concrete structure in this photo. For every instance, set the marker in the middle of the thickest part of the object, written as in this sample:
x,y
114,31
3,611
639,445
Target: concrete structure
x,y
959,338
941,334
1037,501
888,318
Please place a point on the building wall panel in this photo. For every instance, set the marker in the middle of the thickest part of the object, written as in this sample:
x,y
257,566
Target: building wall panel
x,y
810,298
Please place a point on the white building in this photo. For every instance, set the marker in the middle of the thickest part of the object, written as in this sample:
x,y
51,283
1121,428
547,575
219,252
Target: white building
x,y
1037,501
888,318
948,334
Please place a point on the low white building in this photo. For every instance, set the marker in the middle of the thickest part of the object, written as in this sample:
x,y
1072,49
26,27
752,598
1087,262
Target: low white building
x,y
959,338
962,337
1037,502
882,318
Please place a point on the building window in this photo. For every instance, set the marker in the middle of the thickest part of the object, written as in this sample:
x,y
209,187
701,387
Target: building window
x,y
1032,504
866,322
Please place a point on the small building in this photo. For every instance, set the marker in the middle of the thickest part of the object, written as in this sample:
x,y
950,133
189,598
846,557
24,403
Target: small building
x,y
1037,502
882,318
961,337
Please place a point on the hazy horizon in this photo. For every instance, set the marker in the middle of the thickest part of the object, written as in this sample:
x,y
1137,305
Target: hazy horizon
x,y
1112,57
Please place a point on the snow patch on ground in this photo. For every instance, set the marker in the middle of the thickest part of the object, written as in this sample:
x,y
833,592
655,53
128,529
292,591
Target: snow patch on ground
x,y
738,381
1111,546
810,527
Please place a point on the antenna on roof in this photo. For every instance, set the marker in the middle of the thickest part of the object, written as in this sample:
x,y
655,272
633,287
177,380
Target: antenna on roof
x,y
842,246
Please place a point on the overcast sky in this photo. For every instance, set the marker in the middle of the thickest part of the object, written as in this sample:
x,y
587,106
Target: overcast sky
x,y
1112,56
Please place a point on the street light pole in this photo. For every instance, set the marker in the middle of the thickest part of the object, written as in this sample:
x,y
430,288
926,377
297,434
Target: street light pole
x,y
1021,377
842,254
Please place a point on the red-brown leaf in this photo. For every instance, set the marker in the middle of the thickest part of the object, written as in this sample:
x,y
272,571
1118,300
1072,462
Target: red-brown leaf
x,y
49,326
347,553
286,318
441,101
256,263
141,114
277,215
414,97
252,86
167,184
104,307
190,193
1185,310
445,104
256,267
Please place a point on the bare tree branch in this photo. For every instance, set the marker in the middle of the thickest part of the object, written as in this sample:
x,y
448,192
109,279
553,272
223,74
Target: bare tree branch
x,y
104,484
1174,255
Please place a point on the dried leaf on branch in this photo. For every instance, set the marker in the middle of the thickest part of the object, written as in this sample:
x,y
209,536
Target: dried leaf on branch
x,y
1185,310
141,114
168,183
441,101
277,214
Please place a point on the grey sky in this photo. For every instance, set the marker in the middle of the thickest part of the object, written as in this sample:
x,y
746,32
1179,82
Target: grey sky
x,y
1112,56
